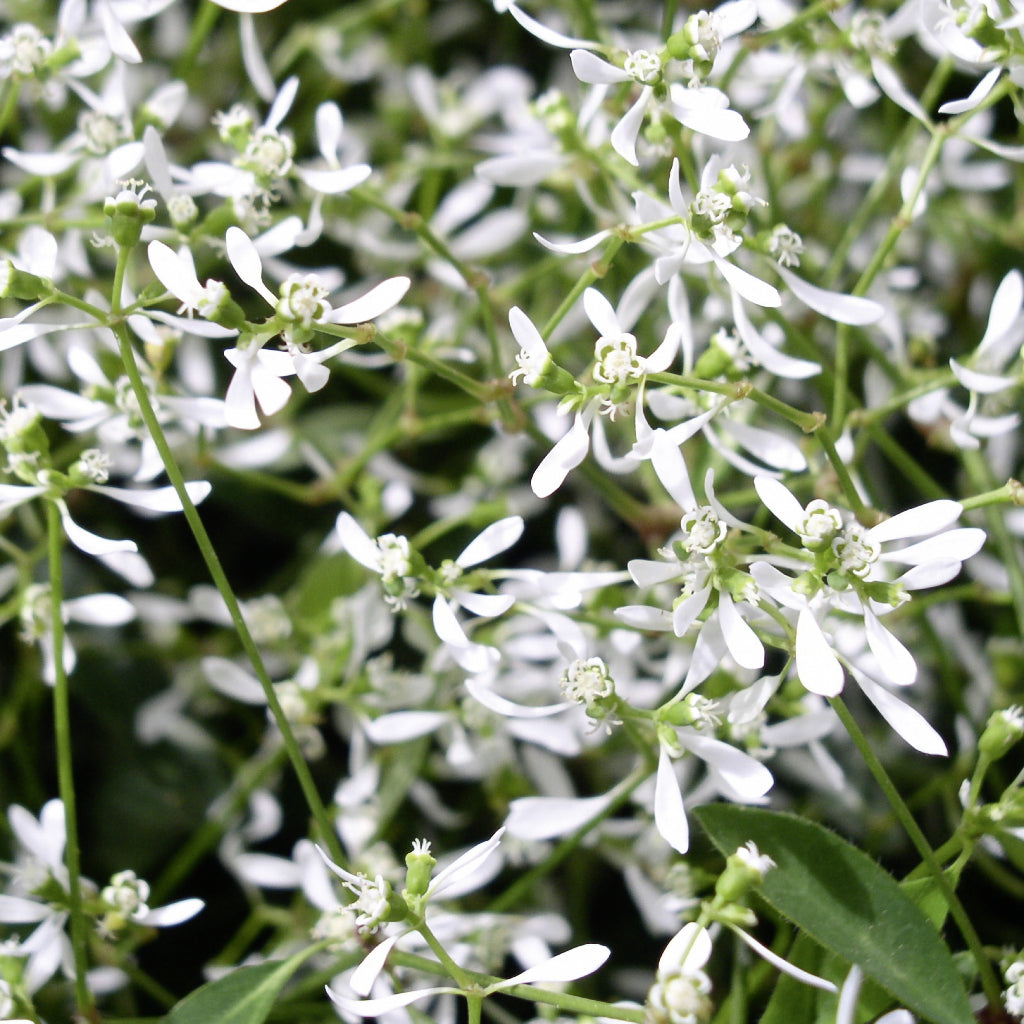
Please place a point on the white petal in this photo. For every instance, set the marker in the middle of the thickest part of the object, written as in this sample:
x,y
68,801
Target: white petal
x,y
784,965
232,680
905,721
744,646
376,301
492,540
644,616
573,248
669,812
118,40
466,865
1006,307
567,966
624,134
446,624
17,910
816,663
174,272
600,312
519,169
357,543
894,660
282,102
100,610
13,495
543,817
897,91
767,355
746,775
267,871
779,500
545,34
172,914
366,973
772,448
402,726
685,613
914,522
726,125
334,181
159,499
385,1004
90,543
687,951
983,383
271,392
594,70
46,165
245,259
488,606
978,93
844,309
566,455
753,289
670,467
508,709
249,6
957,545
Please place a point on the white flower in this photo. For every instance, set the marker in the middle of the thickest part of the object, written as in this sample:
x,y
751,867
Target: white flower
x,y
450,596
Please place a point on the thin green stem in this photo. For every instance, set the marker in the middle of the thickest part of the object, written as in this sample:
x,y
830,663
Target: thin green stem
x,y
10,102
850,491
202,25
980,476
455,972
65,767
989,981
563,1000
220,580
593,273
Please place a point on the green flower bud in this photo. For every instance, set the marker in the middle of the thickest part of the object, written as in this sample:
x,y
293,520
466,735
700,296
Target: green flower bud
x,y
419,865
744,869
1003,730
128,212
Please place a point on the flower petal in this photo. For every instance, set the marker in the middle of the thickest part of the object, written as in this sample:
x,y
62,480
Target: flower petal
x,y
376,301
568,966
669,812
816,663
492,540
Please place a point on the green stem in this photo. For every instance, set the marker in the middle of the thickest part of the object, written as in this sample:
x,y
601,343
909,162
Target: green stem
x,y
10,102
202,26
455,972
980,476
65,769
989,981
220,580
564,1001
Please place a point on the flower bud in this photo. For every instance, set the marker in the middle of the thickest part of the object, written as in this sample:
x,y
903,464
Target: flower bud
x,y
419,865
1003,730
744,869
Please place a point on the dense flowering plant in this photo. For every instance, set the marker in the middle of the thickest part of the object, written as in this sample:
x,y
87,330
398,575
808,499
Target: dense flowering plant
x,y
573,442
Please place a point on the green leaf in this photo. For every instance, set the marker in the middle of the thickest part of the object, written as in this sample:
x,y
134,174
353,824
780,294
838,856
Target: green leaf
x,y
244,996
842,899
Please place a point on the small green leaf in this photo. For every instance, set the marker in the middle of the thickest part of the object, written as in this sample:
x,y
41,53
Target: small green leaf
x,y
244,996
842,899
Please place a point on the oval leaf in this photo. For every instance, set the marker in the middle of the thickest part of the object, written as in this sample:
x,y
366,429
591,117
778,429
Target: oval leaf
x,y
244,996
842,899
